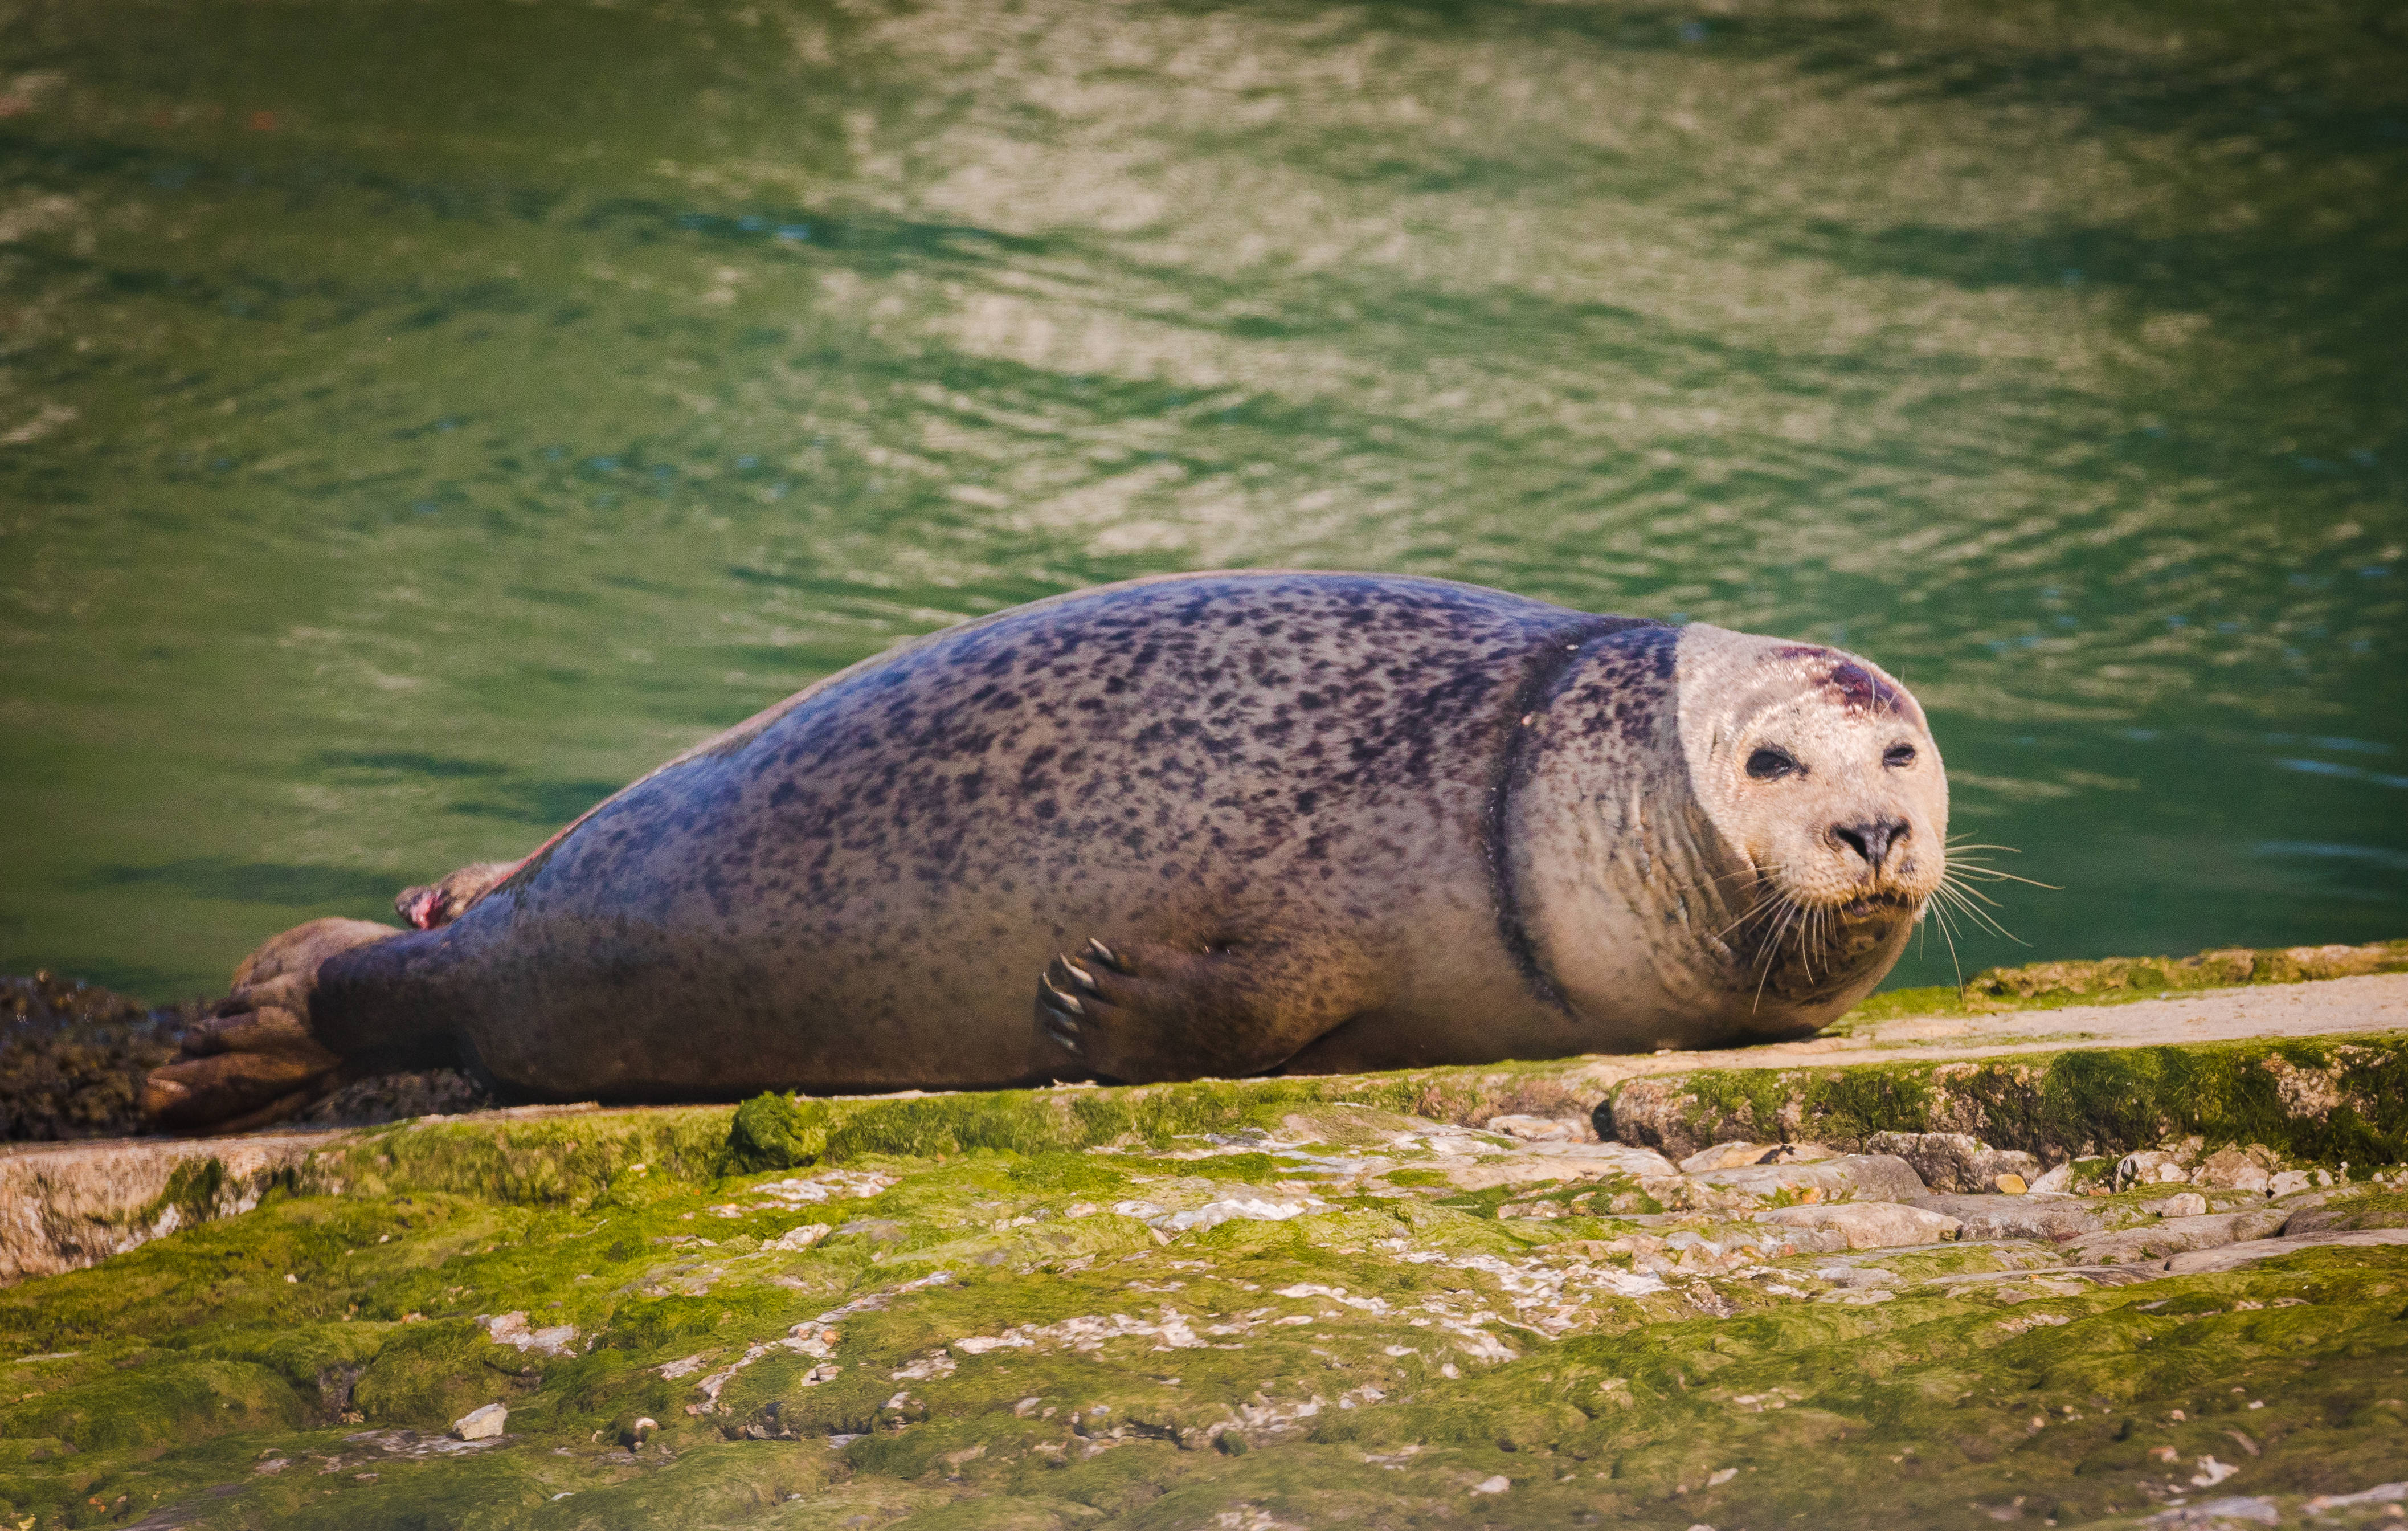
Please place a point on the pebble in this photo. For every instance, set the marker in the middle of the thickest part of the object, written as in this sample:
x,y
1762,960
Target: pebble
x,y
480,1424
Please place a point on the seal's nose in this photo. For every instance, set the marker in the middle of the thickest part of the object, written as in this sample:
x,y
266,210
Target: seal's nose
x,y
1872,839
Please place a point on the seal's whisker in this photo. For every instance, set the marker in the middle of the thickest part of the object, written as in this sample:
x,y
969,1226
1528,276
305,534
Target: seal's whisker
x,y
1969,896
1964,892
1992,874
1773,949
1948,934
1759,873
1984,922
1963,900
1762,908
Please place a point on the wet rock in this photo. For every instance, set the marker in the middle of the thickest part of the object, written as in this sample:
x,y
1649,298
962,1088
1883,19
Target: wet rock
x,y
68,1206
2241,1510
2167,1166
480,1424
72,1056
2252,1168
1868,1225
1532,1162
1866,1177
2176,1236
1859,1276
1957,1162
2248,1251
513,1330
1796,1154
2053,1220
1071,1298
2318,1217
2219,969
1545,1129
1723,1156
398,1097
2381,1493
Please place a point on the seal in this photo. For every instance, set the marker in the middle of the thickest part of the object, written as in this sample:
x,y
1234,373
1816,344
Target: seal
x,y
1204,825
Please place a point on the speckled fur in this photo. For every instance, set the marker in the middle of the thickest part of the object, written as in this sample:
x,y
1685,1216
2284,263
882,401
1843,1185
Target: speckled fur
x,y
1291,795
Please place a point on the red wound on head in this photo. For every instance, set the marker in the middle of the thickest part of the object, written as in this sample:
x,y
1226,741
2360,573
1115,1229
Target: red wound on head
x,y
421,906
1860,690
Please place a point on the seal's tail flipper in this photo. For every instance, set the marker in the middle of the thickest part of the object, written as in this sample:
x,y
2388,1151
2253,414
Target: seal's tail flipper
x,y
257,1058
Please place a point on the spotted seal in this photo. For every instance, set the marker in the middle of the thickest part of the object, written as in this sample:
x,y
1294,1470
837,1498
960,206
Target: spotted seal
x,y
1204,825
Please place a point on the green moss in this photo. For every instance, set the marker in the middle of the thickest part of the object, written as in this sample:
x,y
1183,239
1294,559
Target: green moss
x,y
147,1398
2048,986
2078,1102
1368,1363
426,1375
774,1131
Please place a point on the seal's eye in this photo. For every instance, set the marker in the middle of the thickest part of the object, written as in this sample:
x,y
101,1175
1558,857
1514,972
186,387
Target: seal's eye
x,y
1898,755
1770,764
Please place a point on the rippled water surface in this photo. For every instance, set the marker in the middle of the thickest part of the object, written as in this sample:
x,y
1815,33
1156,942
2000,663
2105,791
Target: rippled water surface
x,y
417,419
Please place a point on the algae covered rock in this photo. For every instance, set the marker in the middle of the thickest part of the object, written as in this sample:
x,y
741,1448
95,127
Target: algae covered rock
x,y
1424,1298
2222,968
1323,1313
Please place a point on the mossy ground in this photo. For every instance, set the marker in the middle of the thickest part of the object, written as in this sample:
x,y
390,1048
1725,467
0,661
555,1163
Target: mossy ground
x,y
1385,1356
2326,1099
1279,1302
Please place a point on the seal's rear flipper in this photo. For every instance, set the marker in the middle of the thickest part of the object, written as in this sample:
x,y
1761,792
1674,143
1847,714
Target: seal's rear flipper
x,y
257,1060
1142,1011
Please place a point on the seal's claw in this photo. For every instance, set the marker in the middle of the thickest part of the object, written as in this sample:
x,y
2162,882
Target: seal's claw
x,y
1063,1015
1104,954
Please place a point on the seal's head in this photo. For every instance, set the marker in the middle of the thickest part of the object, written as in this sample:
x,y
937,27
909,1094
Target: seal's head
x,y
442,902
1819,776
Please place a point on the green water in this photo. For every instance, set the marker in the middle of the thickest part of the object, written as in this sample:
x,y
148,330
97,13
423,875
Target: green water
x,y
417,419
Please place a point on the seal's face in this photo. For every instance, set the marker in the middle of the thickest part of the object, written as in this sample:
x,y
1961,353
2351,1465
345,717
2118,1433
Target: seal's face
x,y
1818,773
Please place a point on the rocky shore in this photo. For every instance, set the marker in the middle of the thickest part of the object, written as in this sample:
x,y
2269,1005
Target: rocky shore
x,y
2077,1245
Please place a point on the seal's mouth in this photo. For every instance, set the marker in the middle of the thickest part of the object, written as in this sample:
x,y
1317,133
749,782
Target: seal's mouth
x,y
1876,905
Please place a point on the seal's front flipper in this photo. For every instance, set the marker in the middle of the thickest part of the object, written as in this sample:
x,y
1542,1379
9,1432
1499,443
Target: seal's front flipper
x,y
1140,1011
257,1058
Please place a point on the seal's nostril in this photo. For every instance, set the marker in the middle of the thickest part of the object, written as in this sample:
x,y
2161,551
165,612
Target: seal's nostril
x,y
1871,840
